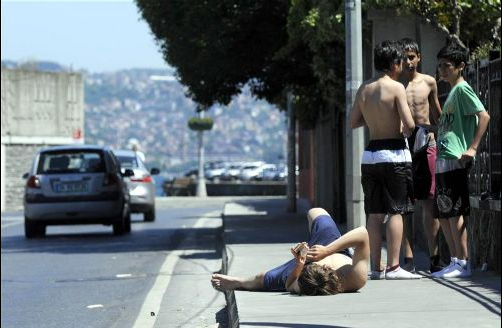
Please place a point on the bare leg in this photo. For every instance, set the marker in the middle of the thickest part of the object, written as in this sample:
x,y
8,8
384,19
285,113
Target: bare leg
x,y
374,224
431,226
313,214
459,236
223,282
394,237
407,243
445,227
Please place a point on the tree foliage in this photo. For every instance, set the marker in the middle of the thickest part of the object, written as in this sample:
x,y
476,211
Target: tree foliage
x,y
472,23
217,46
319,27
276,46
273,45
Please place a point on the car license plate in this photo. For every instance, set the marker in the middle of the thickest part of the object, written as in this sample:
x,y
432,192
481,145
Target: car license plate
x,y
70,187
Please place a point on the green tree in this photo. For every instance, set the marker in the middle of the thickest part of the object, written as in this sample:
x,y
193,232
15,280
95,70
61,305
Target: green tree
x,y
273,45
217,46
472,23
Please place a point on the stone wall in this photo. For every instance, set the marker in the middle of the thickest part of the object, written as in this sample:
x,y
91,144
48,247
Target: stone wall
x,y
18,161
483,236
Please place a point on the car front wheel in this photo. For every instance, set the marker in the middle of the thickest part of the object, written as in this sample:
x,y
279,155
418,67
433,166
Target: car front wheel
x,y
150,215
123,224
33,229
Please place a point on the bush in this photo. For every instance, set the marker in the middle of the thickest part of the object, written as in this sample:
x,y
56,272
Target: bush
x,y
200,124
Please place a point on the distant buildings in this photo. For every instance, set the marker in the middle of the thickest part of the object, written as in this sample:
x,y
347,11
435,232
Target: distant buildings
x,y
151,106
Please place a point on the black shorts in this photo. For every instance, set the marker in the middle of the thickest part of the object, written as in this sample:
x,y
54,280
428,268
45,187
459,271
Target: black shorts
x,y
387,177
388,188
451,198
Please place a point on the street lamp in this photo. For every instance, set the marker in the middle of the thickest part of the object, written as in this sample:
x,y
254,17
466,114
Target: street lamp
x,y
200,124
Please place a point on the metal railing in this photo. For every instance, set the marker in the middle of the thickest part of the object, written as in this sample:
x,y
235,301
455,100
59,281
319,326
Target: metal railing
x,y
484,78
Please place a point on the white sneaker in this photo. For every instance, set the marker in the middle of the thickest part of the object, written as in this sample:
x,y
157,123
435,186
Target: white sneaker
x,y
458,271
410,267
450,267
400,274
376,275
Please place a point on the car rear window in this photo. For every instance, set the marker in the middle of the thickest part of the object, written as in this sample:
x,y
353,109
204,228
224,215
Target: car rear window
x,y
71,162
127,162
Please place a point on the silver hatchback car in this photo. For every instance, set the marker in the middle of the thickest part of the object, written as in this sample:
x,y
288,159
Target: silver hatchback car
x,y
141,185
77,184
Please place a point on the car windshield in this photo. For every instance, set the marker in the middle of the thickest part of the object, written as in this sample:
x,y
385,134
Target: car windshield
x,y
128,162
68,162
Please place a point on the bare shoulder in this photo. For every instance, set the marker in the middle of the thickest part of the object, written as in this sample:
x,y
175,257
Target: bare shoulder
x,y
428,79
362,88
366,83
352,280
395,85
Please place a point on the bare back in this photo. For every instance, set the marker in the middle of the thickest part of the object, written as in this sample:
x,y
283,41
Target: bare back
x,y
382,104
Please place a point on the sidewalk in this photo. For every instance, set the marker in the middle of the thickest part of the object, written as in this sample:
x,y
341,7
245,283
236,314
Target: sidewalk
x,y
258,235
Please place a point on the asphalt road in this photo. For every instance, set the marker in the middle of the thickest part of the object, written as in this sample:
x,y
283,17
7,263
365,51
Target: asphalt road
x,y
84,276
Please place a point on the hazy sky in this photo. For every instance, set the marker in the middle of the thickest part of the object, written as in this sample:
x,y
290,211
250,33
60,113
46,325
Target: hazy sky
x,y
93,35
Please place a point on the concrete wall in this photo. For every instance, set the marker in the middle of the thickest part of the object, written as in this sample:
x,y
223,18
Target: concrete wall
x,y
3,175
38,109
388,26
42,104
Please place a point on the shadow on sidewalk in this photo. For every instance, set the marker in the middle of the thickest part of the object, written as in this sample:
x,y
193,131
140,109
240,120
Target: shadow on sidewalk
x,y
481,288
264,222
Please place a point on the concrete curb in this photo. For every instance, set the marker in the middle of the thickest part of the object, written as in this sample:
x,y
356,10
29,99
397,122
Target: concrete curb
x,y
232,312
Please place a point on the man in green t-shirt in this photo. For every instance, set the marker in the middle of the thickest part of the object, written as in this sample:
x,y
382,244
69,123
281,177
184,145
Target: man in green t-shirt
x,y
462,124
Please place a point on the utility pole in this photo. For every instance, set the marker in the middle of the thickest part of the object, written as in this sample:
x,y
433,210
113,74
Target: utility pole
x,y
201,179
354,138
291,187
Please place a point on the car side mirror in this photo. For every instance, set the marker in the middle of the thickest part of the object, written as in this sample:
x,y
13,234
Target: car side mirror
x,y
154,171
26,175
128,173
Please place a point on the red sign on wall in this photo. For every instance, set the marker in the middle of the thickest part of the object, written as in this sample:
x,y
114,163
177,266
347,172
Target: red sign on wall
x,y
77,134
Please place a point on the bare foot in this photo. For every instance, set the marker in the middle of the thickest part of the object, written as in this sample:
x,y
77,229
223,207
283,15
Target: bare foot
x,y
223,282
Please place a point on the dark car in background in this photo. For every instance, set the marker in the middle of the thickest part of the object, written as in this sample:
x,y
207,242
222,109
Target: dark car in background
x,y
141,185
76,184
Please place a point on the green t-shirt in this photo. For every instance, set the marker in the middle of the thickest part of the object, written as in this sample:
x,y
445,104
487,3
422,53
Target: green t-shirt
x,y
458,121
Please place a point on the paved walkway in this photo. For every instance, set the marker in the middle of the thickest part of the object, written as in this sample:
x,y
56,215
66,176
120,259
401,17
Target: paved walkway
x,y
258,235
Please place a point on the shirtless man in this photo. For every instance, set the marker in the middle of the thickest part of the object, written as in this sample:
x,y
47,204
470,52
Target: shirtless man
x,y
386,168
325,256
421,92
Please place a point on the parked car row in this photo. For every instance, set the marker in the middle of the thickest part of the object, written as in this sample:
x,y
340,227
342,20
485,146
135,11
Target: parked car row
x,y
86,184
242,171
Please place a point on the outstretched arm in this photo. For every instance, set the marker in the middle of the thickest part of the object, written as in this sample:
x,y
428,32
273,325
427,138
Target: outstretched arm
x,y
357,238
